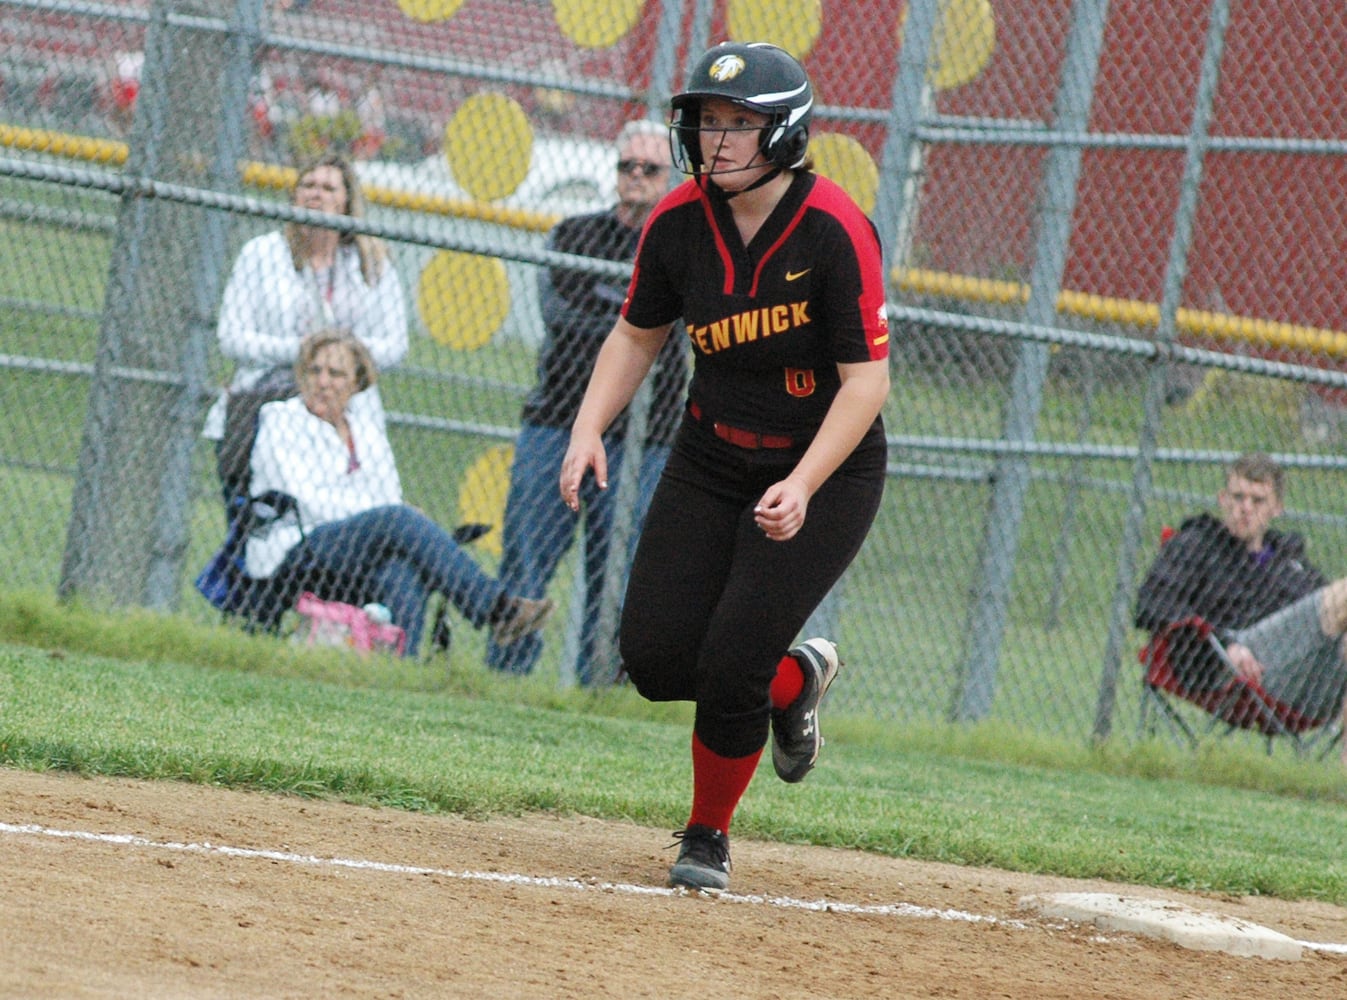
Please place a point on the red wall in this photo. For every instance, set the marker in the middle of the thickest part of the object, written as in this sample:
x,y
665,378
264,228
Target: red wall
x,y
1270,227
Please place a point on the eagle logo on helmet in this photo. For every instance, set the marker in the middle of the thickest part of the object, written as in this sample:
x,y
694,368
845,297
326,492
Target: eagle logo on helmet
x,y
726,68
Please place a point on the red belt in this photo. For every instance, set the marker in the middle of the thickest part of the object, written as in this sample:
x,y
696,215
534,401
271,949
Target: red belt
x,y
741,438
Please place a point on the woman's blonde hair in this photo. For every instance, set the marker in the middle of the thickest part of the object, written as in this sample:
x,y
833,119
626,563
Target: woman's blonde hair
x,y
366,371
371,249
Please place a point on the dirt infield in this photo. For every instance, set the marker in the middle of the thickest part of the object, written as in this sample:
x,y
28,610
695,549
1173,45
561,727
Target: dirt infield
x,y
127,889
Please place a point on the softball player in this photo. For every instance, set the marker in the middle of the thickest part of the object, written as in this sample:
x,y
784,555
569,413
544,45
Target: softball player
x,y
778,278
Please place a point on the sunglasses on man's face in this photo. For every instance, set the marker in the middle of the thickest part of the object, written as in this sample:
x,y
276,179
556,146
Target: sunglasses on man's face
x,y
643,167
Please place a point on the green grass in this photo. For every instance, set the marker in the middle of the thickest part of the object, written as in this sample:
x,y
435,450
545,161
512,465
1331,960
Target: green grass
x,y
144,696
900,779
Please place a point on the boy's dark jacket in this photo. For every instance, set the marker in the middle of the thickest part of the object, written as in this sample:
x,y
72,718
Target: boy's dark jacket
x,y
1204,570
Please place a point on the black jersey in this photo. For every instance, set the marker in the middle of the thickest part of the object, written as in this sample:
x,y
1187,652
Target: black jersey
x,y
770,322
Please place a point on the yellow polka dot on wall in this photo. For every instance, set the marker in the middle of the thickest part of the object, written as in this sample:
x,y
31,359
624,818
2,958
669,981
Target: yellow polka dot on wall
x,y
488,144
430,10
843,160
463,298
596,24
793,25
481,498
964,39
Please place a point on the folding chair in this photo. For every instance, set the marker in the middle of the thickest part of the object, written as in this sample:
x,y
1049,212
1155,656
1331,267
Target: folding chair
x,y
1224,695
441,632
259,604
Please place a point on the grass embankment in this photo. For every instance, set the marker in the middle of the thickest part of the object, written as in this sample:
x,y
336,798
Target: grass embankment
x,y
145,696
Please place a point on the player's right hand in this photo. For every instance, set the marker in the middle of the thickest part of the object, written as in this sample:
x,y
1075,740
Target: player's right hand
x,y
585,452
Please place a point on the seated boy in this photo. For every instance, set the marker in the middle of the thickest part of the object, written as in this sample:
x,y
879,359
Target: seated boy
x,y
1281,621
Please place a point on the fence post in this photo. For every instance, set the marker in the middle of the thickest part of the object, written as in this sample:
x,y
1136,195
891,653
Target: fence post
x,y
128,526
1176,268
1005,514
173,518
607,660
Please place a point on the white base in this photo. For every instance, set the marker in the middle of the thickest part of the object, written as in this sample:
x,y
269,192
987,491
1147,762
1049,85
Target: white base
x,y
1174,922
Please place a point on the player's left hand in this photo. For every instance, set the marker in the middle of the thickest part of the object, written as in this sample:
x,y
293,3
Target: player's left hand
x,y
780,513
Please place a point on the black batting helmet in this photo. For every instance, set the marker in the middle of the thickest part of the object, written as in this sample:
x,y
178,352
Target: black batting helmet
x,y
754,75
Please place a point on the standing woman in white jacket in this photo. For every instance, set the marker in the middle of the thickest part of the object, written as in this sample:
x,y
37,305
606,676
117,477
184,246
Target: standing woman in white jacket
x,y
289,283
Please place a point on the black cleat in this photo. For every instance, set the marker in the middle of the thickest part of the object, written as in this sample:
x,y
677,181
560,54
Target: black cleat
x,y
703,860
795,731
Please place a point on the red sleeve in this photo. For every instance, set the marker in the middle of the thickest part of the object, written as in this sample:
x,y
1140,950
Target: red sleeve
x,y
864,241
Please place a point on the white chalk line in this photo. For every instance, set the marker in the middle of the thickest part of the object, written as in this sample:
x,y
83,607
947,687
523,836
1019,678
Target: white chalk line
x,y
504,878
910,910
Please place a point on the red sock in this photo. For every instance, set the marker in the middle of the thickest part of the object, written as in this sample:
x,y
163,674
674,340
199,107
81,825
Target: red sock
x,y
788,682
718,783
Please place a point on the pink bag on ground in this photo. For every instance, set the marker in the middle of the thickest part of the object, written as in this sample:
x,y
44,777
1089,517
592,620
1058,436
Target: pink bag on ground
x,y
333,623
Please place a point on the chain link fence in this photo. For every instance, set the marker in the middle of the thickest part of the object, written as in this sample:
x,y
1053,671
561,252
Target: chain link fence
x,y
1112,233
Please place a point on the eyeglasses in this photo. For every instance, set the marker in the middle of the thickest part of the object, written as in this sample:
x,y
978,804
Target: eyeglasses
x,y
643,167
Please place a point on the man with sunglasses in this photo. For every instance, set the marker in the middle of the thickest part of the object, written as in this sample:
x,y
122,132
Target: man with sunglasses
x,y
579,308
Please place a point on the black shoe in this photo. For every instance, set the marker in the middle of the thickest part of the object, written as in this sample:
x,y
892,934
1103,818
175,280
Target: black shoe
x,y
703,860
796,738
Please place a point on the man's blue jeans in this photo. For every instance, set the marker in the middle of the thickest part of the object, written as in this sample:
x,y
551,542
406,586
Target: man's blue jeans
x,y
540,529
397,556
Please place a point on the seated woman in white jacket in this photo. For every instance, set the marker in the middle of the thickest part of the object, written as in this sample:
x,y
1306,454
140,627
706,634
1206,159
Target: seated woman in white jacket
x,y
290,282
351,537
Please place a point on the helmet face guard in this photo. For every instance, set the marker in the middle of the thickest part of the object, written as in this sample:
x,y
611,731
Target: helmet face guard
x,y
755,76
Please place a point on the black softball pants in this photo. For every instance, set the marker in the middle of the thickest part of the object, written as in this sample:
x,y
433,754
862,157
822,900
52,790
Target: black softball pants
x,y
713,604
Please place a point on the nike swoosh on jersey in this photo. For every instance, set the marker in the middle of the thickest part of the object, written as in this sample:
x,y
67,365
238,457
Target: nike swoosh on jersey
x,y
792,275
